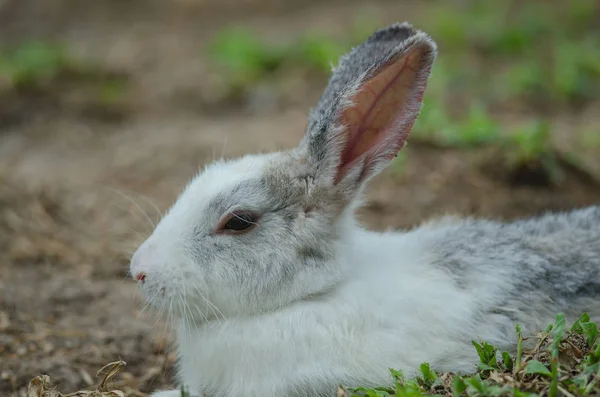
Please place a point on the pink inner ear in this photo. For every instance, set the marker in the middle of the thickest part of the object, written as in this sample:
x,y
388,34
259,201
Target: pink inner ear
x,y
382,112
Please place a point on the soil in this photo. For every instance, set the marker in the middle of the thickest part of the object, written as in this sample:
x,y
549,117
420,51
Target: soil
x,y
79,188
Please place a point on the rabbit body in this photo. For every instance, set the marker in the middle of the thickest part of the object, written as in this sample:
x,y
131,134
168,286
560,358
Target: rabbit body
x,y
412,297
276,290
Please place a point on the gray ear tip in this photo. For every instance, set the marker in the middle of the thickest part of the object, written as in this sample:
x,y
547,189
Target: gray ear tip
x,y
398,31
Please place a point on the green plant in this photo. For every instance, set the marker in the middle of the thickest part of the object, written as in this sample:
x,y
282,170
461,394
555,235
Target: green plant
x,y
556,366
568,73
111,90
530,146
525,78
493,27
32,62
433,121
531,141
576,72
246,59
184,393
319,52
243,55
477,128
580,14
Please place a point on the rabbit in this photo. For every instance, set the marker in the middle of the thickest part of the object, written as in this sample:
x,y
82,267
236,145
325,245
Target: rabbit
x,y
275,289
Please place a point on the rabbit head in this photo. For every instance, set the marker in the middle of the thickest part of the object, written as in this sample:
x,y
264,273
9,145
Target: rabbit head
x,y
259,232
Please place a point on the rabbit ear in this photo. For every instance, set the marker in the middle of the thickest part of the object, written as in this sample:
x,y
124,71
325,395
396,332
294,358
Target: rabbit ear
x,y
370,104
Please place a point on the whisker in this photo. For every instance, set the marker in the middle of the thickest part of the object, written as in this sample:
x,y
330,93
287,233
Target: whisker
x,y
164,339
136,204
159,316
126,208
223,149
202,314
153,204
193,317
249,167
215,310
148,304
188,310
184,322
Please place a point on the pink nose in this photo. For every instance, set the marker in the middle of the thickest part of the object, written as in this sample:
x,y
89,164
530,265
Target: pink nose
x,y
141,277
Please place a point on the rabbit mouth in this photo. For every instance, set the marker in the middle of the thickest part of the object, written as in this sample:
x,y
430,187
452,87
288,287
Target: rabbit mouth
x,y
191,307
154,295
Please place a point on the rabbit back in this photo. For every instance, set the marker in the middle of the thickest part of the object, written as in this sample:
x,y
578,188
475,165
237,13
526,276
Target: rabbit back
x,y
525,271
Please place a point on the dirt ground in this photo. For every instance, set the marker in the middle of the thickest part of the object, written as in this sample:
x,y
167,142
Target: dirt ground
x,y
79,189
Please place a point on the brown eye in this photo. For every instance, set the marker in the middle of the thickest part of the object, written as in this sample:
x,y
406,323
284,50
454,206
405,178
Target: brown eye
x,y
239,221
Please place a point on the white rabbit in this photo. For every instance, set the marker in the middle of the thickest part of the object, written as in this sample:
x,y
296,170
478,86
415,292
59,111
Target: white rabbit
x,y
277,291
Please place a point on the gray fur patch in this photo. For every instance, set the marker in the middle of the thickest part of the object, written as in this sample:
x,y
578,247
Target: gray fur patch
x,y
541,264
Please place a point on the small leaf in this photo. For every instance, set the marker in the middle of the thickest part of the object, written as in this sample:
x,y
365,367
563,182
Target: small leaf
x,y
508,361
519,348
398,375
486,353
485,367
519,393
380,393
480,351
183,392
458,385
558,330
536,367
577,324
476,383
428,375
590,330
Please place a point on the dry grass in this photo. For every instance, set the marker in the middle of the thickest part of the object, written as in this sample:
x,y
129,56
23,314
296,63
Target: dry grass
x,y
41,386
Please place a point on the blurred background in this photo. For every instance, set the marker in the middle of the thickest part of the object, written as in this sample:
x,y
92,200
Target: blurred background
x,y
107,108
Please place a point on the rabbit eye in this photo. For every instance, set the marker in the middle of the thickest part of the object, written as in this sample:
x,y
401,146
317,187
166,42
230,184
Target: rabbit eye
x,y
239,221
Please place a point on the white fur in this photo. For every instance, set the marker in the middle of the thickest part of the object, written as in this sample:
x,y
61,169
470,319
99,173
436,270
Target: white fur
x,y
308,299
391,310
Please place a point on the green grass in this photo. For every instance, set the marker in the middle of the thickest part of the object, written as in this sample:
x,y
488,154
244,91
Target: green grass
x,y
531,141
536,52
245,58
31,62
475,129
47,69
565,361
507,28
568,74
